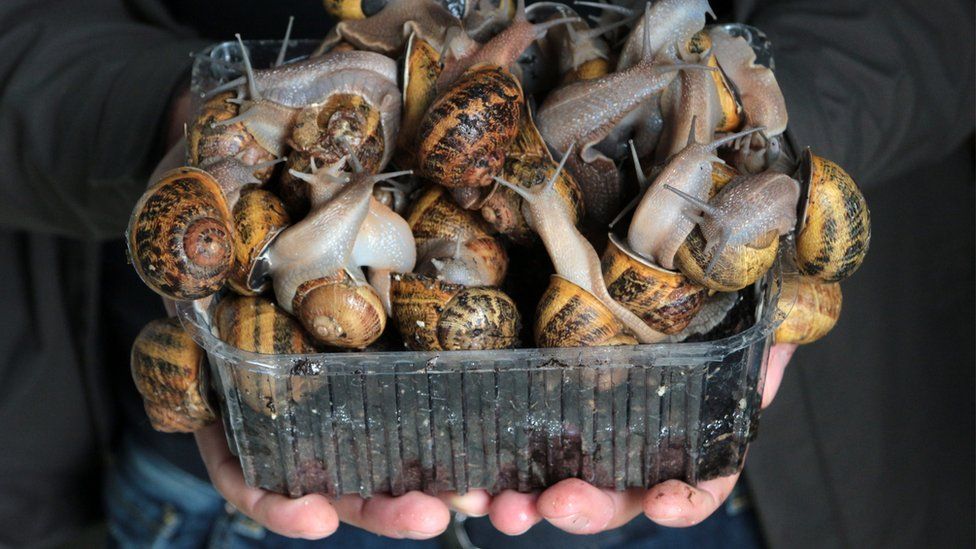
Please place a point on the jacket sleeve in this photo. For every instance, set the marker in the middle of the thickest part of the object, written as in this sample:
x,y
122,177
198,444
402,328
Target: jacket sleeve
x,y
84,88
880,87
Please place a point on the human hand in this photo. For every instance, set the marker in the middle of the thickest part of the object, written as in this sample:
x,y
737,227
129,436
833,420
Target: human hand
x,y
578,507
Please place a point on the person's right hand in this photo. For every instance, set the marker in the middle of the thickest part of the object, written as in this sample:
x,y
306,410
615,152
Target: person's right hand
x,y
413,515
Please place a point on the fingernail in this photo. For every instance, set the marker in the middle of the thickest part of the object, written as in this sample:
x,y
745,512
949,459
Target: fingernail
x,y
573,523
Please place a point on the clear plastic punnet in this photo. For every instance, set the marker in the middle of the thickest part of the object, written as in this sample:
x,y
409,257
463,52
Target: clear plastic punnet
x,y
522,419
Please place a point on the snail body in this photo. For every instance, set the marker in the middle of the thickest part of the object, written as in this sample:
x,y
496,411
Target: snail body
x,y
671,23
386,30
435,315
169,371
571,253
181,235
815,312
586,113
836,230
660,224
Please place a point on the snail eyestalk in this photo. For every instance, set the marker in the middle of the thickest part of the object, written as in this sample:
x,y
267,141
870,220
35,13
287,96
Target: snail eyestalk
x,y
284,43
252,86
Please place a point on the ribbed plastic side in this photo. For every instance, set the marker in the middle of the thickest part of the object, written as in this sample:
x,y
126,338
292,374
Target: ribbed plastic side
x,y
517,426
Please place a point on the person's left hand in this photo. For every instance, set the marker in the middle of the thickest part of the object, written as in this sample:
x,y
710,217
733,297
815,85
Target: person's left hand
x,y
578,507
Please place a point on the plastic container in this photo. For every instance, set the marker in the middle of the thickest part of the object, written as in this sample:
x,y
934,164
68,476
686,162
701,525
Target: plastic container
x,y
523,419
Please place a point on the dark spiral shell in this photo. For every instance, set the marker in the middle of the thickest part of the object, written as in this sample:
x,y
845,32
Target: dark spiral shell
x,y
836,230
736,267
181,235
570,316
467,130
169,372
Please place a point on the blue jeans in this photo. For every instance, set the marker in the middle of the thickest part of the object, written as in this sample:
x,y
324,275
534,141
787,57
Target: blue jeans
x,y
152,503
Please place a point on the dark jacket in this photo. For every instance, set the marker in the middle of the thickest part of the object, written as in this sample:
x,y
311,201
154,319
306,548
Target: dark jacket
x,y
870,441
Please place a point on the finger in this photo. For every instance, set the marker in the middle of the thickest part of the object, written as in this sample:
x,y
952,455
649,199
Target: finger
x,y
413,515
674,503
514,513
309,517
779,358
578,507
473,504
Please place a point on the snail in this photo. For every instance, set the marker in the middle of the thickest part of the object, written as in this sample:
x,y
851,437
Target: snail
x,y
585,113
170,374
660,224
528,163
316,263
435,315
209,140
181,235
739,228
383,27
836,230
762,101
666,300
421,67
453,244
257,325
671,23
574,260
467,129
488,18
344,10
276,96
815,312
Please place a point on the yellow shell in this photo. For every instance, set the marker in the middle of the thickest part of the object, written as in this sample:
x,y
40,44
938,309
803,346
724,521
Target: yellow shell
x,y
340,311
344,9
836,230
323,132
434,215
736,268
732,114
528,164
258,325
588,70
421,68
433,315
815,312
722,173
181,235
569,316
170,373
259,216
665,300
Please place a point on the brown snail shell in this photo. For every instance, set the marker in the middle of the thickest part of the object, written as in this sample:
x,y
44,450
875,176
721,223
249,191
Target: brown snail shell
x,y
665,300
433,315
421,68
467,130
345,124
569,316
340,311
528,164
258,325
588,70
259,216
181,235
736,267
836,229
209,141
722,173
170,373
815,312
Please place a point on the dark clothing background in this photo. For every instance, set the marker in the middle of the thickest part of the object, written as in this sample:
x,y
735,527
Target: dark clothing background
x,y
870,441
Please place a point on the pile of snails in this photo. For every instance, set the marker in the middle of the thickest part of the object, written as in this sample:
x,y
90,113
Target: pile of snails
x,y
379,185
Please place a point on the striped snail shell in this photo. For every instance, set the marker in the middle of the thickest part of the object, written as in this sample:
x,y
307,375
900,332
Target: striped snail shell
x,y
421,67
569,316
467,130
181,235
259,216
340,311
836,230
210,138
665,300
434,315
815,312
725,269
258,325
170,373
